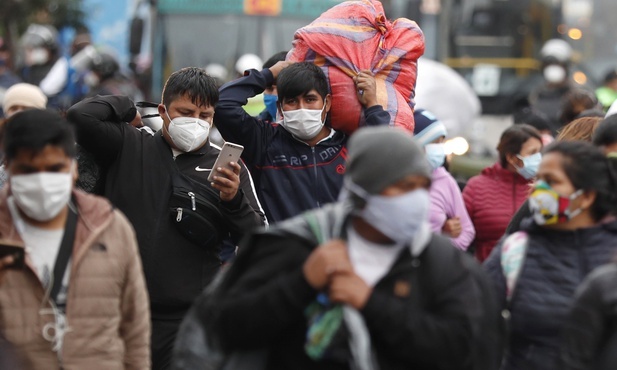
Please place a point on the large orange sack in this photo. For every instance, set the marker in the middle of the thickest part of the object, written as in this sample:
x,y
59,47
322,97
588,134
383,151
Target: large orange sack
x,y
355,36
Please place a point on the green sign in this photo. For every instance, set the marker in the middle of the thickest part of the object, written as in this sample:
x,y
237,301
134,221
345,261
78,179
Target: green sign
x,y
309,9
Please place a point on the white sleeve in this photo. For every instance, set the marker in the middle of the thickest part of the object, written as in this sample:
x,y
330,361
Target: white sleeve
x,y
56,79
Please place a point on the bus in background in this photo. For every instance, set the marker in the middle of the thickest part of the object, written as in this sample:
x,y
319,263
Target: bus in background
x,y
199,33
495,44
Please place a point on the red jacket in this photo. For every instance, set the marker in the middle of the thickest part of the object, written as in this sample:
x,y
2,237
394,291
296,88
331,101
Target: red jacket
x,y
491,199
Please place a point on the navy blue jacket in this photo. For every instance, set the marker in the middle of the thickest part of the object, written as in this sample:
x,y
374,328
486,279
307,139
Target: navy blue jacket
x,y
555,264
290,176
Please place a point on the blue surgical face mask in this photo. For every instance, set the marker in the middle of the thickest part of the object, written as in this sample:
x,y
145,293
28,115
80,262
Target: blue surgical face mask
x,y
530,165
435,155
270,103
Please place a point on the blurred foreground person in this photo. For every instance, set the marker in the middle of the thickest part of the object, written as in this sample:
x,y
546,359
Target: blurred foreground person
x,y
571,232
79,299
356,284
590,335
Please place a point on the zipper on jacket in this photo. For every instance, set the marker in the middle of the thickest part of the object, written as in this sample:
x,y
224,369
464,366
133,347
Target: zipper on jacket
x,y
192,195
315,187
179,216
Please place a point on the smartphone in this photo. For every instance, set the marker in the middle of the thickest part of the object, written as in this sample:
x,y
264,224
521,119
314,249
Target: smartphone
x,y
230,152
9,248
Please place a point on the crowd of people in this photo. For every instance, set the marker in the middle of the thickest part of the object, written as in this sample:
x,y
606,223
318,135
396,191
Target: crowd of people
x,y
124,247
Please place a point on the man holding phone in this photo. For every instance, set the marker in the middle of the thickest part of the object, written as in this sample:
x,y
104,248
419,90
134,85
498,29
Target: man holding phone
x,y
161,183
80,298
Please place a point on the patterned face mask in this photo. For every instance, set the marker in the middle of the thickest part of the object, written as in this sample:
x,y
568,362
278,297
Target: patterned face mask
x,y
549,208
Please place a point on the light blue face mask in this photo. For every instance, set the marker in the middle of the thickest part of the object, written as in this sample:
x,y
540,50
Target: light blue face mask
x,y
270,103
398,217
435,155
530,165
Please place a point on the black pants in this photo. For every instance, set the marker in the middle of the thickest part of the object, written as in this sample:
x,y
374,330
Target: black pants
x,y
163,337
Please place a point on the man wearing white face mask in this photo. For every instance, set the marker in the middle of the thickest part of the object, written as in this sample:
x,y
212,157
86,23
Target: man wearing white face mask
x,y
556,55
392,293
298,164
82,284
161,183
448,214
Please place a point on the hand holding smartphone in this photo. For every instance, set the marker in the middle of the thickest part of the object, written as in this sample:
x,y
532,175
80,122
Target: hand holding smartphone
x,y
230,152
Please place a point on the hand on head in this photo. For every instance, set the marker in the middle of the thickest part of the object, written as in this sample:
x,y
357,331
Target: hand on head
x,y
278,67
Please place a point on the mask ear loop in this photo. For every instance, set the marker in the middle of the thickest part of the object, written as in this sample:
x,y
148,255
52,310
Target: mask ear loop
x,y
576,212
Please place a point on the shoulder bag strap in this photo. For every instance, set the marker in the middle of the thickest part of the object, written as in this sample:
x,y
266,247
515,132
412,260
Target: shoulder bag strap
x,y
64,254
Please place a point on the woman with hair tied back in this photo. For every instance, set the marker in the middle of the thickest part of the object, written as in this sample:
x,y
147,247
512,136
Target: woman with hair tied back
x,y
493,197
572,231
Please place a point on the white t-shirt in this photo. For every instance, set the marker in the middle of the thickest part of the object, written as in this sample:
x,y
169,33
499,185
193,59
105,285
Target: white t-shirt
x,y
370,261
42,246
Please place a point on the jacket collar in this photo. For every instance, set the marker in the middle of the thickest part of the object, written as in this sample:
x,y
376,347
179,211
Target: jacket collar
x,y
203,150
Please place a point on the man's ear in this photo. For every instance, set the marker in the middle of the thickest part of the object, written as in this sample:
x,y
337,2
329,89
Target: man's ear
x,y
162,110
328,102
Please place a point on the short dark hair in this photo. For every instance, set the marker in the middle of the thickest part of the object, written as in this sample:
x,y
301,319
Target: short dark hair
x,y
512,140
589,169
606,132
278,57
34,129
300,78
200,87
575,102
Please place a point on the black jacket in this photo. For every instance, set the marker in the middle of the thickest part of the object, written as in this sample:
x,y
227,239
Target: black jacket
x,y
138,182
422,314
590,336
556,262
290,176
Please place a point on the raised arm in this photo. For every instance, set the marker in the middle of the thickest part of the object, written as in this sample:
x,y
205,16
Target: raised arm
x,y
234,123
99,124
366,92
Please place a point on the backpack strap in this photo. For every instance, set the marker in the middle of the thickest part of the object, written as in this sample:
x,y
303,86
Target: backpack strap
x,y
316,229
513,252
